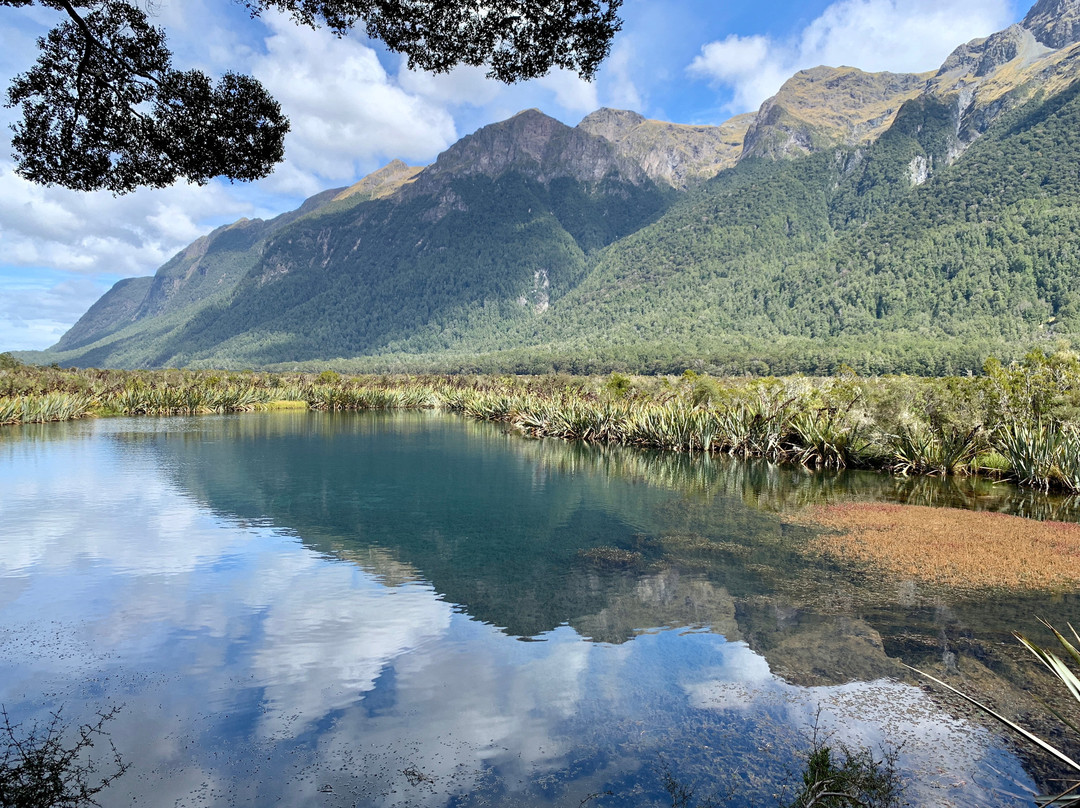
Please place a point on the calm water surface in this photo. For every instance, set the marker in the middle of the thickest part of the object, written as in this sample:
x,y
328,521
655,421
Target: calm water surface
x,y
414,609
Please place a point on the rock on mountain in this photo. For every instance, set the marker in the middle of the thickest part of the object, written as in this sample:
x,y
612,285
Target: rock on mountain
x,y
824,107
679,155
1055,23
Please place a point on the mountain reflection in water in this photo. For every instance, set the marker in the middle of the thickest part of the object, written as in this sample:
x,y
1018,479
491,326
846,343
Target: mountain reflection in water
x,y
328,610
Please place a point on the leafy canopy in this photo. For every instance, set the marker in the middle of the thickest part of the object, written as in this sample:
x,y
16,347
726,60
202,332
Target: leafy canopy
x,y
104,109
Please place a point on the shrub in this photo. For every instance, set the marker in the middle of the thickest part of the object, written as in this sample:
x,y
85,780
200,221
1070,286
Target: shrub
x,y
44,767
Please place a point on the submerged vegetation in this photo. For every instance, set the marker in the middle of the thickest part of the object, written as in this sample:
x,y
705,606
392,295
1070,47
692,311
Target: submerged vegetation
x,y
952,547
1020,421
1067,672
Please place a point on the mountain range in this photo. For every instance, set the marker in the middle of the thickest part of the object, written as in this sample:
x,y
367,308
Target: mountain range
x,y
891,222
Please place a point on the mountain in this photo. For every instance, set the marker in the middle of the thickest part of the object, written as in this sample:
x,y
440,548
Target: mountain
x,y
895,222
825,107
679,155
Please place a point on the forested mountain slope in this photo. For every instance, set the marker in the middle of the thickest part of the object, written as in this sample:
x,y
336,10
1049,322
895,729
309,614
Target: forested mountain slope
x,y
846,252
891,221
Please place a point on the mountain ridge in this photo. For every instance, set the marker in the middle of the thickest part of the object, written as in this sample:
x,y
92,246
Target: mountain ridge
x,y
625,236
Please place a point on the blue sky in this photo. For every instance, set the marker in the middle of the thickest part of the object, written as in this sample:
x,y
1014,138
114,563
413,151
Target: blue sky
x,y
354,107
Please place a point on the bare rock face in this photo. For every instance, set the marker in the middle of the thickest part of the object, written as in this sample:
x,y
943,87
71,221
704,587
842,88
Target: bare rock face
x,y
1055,23
985,78
611,124
678,155
1001,48
536,145
981,58
825,107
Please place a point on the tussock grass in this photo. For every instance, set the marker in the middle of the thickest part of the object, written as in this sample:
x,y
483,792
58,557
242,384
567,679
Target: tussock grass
x,y
286,404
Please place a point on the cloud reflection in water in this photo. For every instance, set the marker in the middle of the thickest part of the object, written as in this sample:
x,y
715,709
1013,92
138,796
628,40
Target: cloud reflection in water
x,y
254,669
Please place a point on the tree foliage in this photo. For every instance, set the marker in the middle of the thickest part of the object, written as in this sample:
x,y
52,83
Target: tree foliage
x,y
516,39
103,107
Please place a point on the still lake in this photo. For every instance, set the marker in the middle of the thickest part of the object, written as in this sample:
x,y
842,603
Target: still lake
x,y
415,609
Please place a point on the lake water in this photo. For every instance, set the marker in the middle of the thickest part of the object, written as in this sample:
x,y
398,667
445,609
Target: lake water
x,y
411,609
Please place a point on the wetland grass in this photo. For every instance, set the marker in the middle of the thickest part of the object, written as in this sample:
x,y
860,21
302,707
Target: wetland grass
x,y
1020,422
41,408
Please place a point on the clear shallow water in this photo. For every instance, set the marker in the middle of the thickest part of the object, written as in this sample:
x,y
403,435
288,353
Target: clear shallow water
x,y
307,609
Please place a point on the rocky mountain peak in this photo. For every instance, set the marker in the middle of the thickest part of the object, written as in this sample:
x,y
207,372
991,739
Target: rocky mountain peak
x,y
381,182
534,144
827,106
979,58
1055,23
674,154
611,124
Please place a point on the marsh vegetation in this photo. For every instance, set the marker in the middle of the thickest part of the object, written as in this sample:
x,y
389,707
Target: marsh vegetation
x,y
1020,422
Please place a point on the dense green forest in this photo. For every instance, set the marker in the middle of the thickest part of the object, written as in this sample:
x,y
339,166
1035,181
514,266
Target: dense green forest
x,y
906,255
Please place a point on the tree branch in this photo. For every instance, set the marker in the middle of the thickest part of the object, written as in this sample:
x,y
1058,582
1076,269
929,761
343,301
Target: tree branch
x,y
84,26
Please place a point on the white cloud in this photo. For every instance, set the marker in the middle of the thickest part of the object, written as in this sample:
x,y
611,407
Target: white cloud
x,y
462,85
751,66
98,233
571,92
348,115
873,35
621,90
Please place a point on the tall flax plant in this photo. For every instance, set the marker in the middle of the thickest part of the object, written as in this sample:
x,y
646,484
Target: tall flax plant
x,y
938,451
1042,455
754,428
827,439
55,406
1069,676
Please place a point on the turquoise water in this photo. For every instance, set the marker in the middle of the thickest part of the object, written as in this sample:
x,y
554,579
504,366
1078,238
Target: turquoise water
x,y
414,609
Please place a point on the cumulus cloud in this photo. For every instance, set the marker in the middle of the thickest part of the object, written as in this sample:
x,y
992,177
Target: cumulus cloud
x,y
873,35
571,92
621,90
462,85
97,232
347,112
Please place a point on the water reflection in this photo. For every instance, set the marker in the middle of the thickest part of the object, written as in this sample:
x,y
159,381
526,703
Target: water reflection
x,y
326,610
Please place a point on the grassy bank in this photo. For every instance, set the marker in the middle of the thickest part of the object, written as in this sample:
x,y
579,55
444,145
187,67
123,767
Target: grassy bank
x,y
1020,421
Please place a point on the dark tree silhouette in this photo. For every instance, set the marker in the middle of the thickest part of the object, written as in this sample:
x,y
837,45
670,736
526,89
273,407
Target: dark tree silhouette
x,y
103,107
